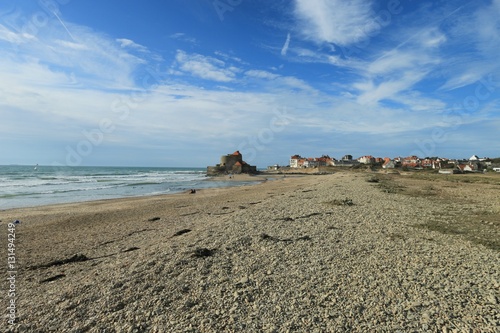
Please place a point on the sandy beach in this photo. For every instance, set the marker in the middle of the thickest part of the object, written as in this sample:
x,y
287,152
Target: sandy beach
x,y
349,251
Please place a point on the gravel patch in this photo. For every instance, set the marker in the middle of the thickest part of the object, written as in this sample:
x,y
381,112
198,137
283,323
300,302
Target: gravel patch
x,y
331,253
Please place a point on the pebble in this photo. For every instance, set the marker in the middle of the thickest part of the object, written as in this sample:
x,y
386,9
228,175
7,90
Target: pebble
x,y
492,299
225,278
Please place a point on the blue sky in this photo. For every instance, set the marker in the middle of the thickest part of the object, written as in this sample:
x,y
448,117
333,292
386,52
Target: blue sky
x,y
181,82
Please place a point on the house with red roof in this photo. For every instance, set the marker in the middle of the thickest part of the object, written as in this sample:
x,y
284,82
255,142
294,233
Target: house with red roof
x,y
368,159
388,163
411,162
297,161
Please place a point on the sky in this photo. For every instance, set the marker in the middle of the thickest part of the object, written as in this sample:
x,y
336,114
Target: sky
x,y
182,82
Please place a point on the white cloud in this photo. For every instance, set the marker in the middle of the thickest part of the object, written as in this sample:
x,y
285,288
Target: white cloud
x,y
464,78
92,59
285,46
183,37
277,82
14,37
416,101
336,21
261,74
127,43
210,114
228,57
56,80
416,52
479,32
297,83
390,70
394,73
205,67
71,45
394,61
389,89
53,79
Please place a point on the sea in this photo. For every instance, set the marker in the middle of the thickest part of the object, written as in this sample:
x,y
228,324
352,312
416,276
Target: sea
x,y
30,186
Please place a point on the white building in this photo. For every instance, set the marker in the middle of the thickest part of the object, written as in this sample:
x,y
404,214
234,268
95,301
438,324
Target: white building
x,y
474,158
294,161
311,163
366,160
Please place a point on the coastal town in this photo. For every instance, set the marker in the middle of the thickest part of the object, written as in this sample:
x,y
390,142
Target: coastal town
x,y
234,164
443,165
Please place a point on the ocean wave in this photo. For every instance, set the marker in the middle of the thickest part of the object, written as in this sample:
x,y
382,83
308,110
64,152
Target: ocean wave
x,y
144,183
57,185
14,195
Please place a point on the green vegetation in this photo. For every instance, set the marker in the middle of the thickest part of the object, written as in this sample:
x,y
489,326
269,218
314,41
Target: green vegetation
x,y
488,178
484,231
464,212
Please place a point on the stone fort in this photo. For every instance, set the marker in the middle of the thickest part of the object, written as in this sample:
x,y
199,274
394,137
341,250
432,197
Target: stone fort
x,y
231,163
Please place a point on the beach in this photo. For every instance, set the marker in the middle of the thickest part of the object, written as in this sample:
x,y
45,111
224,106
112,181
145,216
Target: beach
x,y
348,251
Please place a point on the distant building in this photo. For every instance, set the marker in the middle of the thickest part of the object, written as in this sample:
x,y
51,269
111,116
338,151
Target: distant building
x,y
347,158
273,167
388,163
231,163
411,162
471,166
345,163
466,167
485,160
310,163
474,158
296,161
366,159
325,160
427,163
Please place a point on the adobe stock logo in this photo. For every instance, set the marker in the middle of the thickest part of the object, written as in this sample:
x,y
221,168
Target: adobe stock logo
x,y
222,6
121,108
38,20
483,90
373,27
256,143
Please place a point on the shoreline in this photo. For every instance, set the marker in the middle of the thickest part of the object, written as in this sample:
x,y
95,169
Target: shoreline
x,y
244,179
132,199
327,253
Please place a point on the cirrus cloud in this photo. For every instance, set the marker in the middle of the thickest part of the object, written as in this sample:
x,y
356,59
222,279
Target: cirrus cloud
x,y
205,67
336,21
